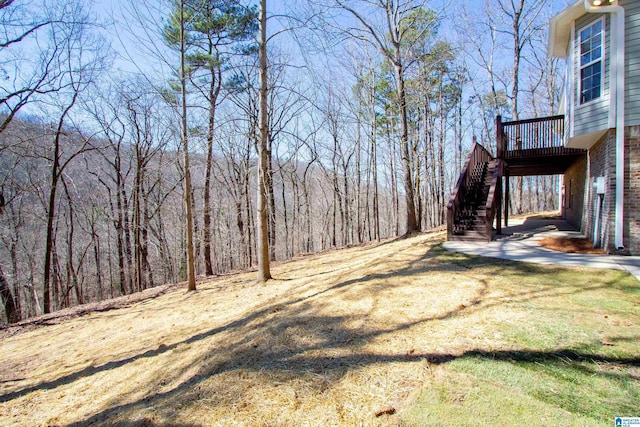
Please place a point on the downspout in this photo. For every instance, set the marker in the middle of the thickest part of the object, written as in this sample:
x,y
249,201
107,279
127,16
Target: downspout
x,y
617,49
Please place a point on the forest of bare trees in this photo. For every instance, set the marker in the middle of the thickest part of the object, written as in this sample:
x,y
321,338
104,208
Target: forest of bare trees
x,y
163,140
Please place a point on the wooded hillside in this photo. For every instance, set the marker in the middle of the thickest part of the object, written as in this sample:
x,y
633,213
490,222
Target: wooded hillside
x,y
132,138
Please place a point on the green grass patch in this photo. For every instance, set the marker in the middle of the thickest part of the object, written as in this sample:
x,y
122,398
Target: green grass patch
x,y
528,388
570,353
598,388
460,399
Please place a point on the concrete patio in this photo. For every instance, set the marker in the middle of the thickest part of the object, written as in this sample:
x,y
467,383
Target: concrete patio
x,y
520,242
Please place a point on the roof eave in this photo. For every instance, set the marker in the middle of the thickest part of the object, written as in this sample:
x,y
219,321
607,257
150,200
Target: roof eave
x,y
560,29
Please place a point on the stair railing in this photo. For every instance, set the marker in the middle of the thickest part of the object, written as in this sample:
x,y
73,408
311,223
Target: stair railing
x,y
493,199
478,154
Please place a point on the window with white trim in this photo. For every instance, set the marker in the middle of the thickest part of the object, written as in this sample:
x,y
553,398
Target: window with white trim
x,y
591,44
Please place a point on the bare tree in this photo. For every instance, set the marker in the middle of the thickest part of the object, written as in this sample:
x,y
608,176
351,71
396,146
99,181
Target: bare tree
x,y
405,24
30,58
81,61
217,31
46,50
111,173
9,302
522,23
175,34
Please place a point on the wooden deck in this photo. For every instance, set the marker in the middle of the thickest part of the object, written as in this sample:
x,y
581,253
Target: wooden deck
x,y
524,148
535,146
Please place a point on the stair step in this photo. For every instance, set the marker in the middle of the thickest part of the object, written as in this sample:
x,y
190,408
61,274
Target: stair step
x,y
470,220
470,225
475,233
469,238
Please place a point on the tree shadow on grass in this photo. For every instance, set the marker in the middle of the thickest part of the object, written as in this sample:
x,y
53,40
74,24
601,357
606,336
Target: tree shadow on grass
x,y
264,343
296,361
286,362
423,265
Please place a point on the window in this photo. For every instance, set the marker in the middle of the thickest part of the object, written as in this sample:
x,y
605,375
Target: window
x,y
591,62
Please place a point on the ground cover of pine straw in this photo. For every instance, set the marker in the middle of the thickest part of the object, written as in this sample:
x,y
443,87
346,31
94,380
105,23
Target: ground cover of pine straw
x,y
400,332
571,245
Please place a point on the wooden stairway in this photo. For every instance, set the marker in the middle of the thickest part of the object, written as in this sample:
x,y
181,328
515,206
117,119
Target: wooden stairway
x,y
470,223
475,200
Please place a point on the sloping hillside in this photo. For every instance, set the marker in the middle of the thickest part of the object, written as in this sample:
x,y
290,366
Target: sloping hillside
x,y
347,337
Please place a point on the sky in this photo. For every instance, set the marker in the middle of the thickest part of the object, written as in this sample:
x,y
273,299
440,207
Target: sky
x,y
138,46
127,37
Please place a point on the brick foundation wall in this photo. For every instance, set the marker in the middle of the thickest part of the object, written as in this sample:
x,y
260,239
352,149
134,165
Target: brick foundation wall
x,y
632,190
581,176
574,195
601,163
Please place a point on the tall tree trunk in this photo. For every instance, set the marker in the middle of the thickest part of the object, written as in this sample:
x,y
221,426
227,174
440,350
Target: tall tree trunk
x,y
427,137
128,247
374,166
459,138
517,52
264,270
337,196
249,227
96,258
395,223
197,243
412,224
271,204
122,275
206,215
441,166
191,266
296,212
336,203
51,210
56,302
240,224
359,222
285,222
308,247
144,244
214,90
11,300
346,212
72,276
415,166
432,162
137,222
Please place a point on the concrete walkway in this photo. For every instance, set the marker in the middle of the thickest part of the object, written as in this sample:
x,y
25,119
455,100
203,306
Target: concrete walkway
x,y
519,242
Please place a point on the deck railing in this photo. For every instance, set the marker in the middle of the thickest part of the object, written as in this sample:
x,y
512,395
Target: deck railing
x,y
542,134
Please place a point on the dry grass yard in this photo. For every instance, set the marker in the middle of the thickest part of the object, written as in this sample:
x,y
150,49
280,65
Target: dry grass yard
x,y
396,333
